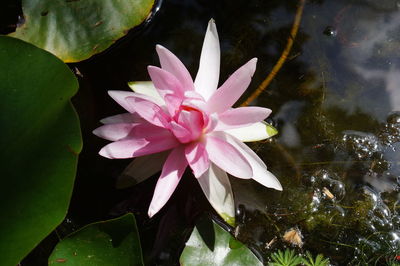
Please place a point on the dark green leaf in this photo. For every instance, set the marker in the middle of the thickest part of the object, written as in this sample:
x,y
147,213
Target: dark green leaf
x,y
74,30
112,242
39,141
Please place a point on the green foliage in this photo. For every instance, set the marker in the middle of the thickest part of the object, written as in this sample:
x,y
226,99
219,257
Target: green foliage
x,y
76,30
39,141
318,261
290,258
285,258
112,242
209,244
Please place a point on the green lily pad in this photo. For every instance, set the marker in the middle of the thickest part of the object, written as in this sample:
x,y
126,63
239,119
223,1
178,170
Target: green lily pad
x,y
39,145
211,245
112,242
74,30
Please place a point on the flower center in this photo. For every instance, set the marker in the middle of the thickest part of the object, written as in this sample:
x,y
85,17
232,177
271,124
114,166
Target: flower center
x,y
188,124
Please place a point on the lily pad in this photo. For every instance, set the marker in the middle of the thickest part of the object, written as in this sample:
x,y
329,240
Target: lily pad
x,y
210,244
39,142
112,242
74,30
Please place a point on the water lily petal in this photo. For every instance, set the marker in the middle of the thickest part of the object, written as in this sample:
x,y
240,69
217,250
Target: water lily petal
x,y
207,77
173,103
193,121
197,157
147,88
122,149
140,169
165,82
260,172
150,132
115,131
172,64
148,110
120,98
135,147
180,132
255,132
171,174
241,117
122,118
217,188
226,156
232,89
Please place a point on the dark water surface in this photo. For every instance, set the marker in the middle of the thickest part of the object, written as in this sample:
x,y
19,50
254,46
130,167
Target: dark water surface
x,y
334,103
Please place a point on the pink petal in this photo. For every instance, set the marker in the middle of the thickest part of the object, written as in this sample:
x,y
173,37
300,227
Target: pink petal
x,y
140,169
148,110
180,132
114,132
197,157
193,121
130,148
207,77
193,95
260,172
122,149
120,98
195,103
171,174
232,89
149,132
165,82
172,64
172,103
241,117
227,157
122,118
147,88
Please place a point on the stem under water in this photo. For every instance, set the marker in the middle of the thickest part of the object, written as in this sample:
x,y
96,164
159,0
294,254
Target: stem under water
x,y
282,59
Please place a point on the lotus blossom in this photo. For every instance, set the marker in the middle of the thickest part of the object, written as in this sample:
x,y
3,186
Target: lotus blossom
x,y
173,122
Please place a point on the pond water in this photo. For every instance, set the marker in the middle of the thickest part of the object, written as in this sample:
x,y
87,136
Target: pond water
x,y
334,103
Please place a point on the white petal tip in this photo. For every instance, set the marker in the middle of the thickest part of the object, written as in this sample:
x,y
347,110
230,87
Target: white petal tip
x,y
160,48
211,24
275,184
151,212
111,93
103,152
96,132
212,28
253,63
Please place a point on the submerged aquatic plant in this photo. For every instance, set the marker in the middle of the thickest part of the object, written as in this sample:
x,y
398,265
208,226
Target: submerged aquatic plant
x,y
195,123
288,257
285,258
319,260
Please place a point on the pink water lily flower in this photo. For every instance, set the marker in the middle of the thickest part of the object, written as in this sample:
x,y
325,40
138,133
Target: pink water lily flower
x,y
173,122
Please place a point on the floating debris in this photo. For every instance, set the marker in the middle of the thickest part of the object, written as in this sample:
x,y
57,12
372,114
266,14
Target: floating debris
x,y
293,236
